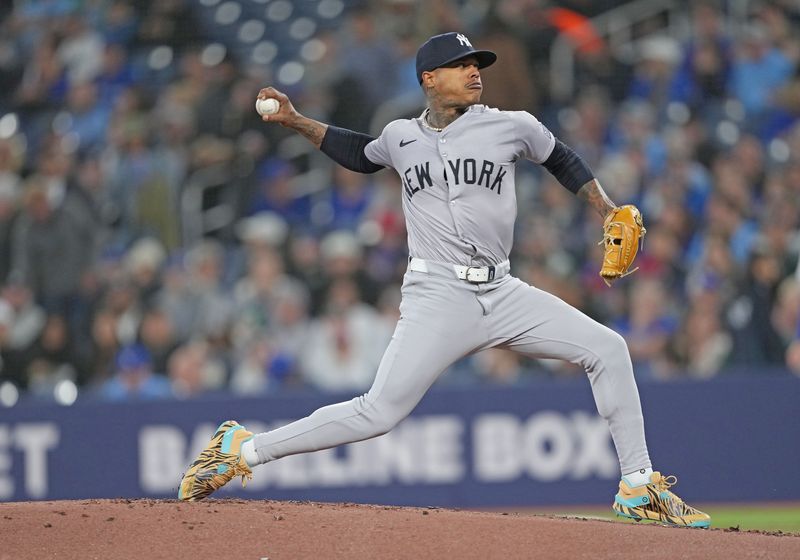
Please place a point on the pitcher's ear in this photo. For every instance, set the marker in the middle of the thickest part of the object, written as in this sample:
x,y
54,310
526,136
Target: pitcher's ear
x,y
428,80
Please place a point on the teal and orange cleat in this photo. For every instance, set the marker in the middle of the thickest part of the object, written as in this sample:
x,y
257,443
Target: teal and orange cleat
x,y
218,464
655,502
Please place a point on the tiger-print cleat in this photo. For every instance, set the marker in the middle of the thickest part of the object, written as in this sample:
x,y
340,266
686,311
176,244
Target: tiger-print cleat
x,y
655,502
219,463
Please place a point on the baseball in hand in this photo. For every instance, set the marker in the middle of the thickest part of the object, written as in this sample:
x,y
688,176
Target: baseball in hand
x,y
267,106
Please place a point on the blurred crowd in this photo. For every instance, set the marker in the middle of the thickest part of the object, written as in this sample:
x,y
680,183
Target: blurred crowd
x,y
158,240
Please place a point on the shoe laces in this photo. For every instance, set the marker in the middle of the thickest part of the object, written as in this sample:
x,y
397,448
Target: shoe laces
x,y
664,483
236,468
244,472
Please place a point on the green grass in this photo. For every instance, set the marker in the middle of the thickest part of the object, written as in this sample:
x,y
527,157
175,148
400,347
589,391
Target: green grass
x,y
760,517
764,518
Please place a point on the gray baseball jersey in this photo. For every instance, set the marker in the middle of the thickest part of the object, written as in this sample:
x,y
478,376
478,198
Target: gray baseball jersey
x,y
459,197
460,204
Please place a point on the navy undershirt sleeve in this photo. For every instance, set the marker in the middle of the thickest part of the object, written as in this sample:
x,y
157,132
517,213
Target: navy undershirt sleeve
x,y
346,148
568,167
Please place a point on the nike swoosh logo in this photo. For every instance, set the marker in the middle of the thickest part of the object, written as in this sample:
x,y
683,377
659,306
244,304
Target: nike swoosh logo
x,y
403,143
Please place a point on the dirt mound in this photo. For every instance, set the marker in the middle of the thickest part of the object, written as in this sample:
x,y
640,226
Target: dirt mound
x,y
249,529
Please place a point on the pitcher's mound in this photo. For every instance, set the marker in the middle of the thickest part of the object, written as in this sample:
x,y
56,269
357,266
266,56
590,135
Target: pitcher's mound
x,y
249,529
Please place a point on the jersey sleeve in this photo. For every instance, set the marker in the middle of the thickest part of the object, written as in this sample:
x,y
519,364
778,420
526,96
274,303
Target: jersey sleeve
x,y
377,151
536,141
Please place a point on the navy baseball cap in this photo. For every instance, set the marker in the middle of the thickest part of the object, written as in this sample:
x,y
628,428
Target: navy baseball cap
x,y
447,47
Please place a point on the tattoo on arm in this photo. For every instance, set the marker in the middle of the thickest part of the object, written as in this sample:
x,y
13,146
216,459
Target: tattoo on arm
x,y
310,129
597,198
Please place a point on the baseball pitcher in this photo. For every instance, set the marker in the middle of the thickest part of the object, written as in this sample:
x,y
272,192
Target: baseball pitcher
x,y
457,162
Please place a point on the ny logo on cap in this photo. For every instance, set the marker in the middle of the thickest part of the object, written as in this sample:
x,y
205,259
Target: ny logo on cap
x,y
463,40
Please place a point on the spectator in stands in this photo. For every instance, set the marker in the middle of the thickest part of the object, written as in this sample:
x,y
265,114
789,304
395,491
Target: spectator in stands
x,y
133,178
780,23
52,245
174,298
715,270
170,22
749,155
19,346
304,262
186,89
702,79
342,257
758,70
193,371
142,265
407,90
727,217
624,172
12,65
41,78
252,374
88,117
547,263
663,257
134,378
175,127
685,180
345,343
271,361
702,346
116,75
786,313
236,113
9,196
258,296
349,198
157,335
654,71
648,327
385,260
105,345
55,166
509,83
371,62
276,193
6,324
121,299
53,359
119,23
209,301
262,232
80,49
214,109
588,124
749,315
793,352
91,186
288,331
635,137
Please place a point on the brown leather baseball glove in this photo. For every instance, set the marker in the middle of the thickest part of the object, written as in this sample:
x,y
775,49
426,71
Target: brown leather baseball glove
x,y
623,230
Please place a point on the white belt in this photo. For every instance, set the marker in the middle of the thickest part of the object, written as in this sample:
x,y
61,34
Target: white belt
x,y
472,274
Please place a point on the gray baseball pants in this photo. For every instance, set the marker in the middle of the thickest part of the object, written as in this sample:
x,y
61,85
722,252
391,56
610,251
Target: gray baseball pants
x,y
443,319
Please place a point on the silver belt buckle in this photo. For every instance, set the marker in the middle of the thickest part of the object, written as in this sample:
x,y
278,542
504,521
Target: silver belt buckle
x,y
480,274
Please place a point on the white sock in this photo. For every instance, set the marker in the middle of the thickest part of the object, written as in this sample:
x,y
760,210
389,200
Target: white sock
x,y
638,478
249,453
